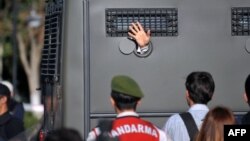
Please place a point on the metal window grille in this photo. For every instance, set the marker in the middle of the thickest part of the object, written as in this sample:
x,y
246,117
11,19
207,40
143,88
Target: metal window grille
x,y
240,21
50,62
160,21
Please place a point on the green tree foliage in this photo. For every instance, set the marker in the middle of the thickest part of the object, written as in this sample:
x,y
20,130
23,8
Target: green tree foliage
x,y
29,39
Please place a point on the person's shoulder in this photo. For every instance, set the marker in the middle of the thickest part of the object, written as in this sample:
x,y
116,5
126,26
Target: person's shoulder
x,y
15,121
14,125
245,119
247,115
174,118
147,122
93,134
174,122
150,124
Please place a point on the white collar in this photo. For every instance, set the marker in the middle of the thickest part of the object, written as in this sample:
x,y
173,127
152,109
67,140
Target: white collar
x,y
127,113
195,107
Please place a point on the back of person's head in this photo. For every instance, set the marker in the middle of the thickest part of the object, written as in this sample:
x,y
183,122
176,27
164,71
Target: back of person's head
x,y
247,88
200,86
213,125
125,92
63,134
123,101
5,92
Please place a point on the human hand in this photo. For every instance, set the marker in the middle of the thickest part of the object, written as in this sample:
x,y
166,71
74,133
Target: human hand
x,y
137,33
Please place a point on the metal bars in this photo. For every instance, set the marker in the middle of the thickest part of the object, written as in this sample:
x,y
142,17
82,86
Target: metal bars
x,y
240,21
160,21
50,66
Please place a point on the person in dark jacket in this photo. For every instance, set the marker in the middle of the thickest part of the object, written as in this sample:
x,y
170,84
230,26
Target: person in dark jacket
x,y
246,118
10,126
15,107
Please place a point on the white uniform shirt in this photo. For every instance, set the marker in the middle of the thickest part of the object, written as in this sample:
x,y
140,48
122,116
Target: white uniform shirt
x,y
175,127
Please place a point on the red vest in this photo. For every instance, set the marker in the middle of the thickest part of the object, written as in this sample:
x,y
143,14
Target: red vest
x,y
131,128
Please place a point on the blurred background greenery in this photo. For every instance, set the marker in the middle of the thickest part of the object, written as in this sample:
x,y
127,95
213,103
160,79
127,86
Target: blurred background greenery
x,y
21,42
30,120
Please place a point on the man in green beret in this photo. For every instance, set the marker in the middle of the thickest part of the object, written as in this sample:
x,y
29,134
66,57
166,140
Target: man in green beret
x,y
126,94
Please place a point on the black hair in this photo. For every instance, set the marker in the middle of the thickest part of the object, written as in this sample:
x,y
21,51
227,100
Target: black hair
x,y
247,88
123,101
200,86
63,135
5,91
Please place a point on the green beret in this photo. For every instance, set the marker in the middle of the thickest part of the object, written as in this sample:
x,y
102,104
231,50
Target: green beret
x,y
126,85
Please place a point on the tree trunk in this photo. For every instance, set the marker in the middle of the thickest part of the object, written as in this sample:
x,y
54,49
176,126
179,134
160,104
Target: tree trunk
x,y
31,65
